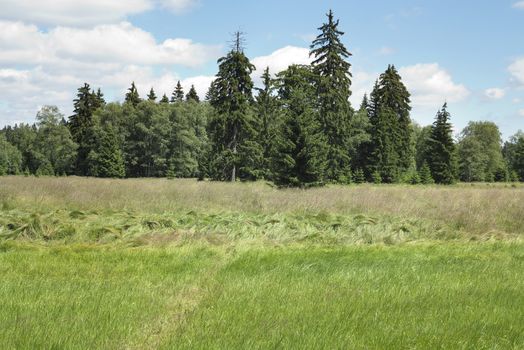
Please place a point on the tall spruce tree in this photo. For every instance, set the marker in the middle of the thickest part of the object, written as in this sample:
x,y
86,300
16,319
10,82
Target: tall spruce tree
x,y
81,126
192,95
333,90
442,153
391,131
232,127
106,158
267,107
300,148
151,96
178,93
132,95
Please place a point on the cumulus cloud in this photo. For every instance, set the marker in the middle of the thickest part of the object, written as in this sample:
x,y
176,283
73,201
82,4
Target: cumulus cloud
x,y
84,13
517,71
122,43
519,5
430,85
281,59
494,93
46,67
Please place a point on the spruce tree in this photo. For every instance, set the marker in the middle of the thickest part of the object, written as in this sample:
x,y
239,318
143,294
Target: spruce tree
x,y
151,96
164,99
132,96
333,90
267,107
178,93
192,95
81,125
106,158
300,148
232,127
442,154
425,175
391,130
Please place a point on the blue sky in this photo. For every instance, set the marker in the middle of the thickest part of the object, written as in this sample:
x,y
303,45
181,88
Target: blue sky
x,y
469,53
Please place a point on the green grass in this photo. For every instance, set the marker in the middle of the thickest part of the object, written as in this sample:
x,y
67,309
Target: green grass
x,y
147,264
457,296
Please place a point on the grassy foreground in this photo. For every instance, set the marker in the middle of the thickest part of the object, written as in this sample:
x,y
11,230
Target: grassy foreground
x,y
111,264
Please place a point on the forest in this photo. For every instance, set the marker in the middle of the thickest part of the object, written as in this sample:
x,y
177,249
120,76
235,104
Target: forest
x,y
296,130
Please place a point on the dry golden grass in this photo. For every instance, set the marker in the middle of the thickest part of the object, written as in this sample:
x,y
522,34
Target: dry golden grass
x,y
478,208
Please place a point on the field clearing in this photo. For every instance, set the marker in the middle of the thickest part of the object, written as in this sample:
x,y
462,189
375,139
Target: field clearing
x,y
154,263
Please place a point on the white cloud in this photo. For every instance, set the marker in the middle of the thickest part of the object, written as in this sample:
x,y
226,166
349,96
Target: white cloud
x,y
84,13
281,59
430,85
179,6
122,43
55,63
494,93
521,112
519,5
517,71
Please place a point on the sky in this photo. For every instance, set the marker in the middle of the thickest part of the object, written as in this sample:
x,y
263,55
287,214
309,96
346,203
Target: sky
x,y
467,53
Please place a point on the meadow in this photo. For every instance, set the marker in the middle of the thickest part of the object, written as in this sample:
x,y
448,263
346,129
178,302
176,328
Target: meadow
x,y
156,263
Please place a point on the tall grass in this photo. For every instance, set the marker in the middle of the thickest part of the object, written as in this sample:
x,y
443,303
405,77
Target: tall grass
x,y
478,208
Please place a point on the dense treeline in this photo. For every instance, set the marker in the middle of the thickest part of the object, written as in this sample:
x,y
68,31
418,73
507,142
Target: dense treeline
x,y
297,129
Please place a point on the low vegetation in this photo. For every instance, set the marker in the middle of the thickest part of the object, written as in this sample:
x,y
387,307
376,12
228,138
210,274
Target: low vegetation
x,y
94,263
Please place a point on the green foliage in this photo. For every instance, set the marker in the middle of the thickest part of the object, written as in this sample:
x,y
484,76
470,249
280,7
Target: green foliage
x,y
391,130
106,158
480,152
55,142
235,151
81,125
441,155
10,158
178,93
359,176
300,148
151,96
376,177
332,82
268,110
132,96
164,99
192,95
425,175
514,155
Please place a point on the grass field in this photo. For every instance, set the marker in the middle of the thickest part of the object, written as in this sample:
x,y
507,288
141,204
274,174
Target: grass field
x,y
133,264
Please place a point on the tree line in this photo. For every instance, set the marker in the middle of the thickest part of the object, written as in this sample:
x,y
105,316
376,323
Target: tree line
x,y
297,130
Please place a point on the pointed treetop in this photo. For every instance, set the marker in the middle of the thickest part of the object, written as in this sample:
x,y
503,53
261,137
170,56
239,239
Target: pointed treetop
x,y
164,99
178,93
151,96
192,95
132,95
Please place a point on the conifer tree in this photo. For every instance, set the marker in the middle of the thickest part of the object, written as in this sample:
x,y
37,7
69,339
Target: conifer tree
x,y
425,175
267,107
151,96
333,90
81,125
99,100
164,99
192,95
106,158
359,177
442,154
300,149
132,95
231,128
178,93
391,129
